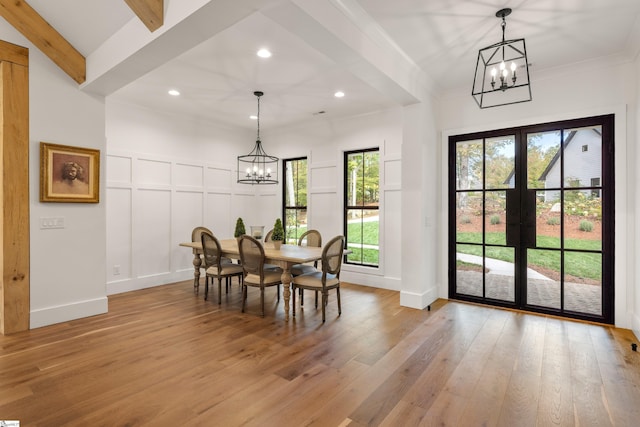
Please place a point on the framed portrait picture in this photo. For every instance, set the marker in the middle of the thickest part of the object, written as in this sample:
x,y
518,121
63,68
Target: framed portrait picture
x,y
69,174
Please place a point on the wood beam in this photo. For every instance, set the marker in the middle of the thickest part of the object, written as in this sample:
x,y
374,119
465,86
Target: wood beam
x,y
150,12
26,20
14,189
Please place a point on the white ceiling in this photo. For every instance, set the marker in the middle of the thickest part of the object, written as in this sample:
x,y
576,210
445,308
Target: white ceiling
x,y
217,77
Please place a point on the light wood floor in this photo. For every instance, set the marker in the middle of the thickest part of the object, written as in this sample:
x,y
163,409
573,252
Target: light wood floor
x,y
165,357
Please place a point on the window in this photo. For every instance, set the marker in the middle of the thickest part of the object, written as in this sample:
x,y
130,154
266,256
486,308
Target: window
x,y
362,197
294,209
595,182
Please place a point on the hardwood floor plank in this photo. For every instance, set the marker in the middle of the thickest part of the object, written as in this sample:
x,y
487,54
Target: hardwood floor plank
x,y
555,405
164,356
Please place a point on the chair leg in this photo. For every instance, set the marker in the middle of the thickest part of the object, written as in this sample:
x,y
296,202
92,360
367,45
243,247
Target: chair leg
x,y
244,296
293,300
219,290
262,299
338,295
206,287
301,297
316,300
324,304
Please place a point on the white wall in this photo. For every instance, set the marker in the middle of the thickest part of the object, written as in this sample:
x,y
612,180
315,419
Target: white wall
x,y
165,176
595,88
67,265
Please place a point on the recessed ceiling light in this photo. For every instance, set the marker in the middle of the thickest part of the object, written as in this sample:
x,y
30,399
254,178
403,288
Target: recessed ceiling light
x,y
339,94
264,53
253,117
174,92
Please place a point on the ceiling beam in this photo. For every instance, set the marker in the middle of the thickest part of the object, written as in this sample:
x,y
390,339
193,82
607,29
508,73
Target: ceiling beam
x,y
26,20
150,12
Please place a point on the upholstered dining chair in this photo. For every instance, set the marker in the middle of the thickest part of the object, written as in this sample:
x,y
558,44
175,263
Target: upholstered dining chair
x,y
255,274
196,236
311,238
326,279
217,267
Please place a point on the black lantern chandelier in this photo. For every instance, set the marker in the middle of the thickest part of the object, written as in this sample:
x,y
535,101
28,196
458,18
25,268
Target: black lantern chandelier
x,y
258,167
502,72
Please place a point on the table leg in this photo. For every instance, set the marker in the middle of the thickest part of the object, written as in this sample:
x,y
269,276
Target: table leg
x,y
197,262
286,291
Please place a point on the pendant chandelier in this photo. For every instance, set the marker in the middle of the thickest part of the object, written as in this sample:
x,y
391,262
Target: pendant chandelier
x,y
502,72
258,167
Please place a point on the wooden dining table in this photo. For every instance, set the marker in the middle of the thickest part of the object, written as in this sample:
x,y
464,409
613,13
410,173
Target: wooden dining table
x,y
285,257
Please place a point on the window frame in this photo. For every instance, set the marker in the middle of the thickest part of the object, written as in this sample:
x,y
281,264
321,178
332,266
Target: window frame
x,y
348,207
295,207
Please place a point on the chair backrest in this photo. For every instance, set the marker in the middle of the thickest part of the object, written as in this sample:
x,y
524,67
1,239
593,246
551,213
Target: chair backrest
x,y
310,238
211,250
251,255
197,232
332,256
267,237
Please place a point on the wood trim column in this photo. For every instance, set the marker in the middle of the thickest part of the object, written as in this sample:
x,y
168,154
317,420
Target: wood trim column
x,y
14,188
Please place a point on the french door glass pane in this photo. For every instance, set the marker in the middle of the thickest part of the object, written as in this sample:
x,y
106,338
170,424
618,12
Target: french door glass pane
x,y
582,156
469,270
469,217
469,165
543,278
500,155
582,220
583,282
494,216
543,162
500,273
548,219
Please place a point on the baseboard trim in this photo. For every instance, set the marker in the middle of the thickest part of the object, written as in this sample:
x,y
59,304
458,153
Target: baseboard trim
x,y
418,300
64,313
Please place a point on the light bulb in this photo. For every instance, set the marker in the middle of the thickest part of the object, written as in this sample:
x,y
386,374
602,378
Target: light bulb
x,y
513,67
502,66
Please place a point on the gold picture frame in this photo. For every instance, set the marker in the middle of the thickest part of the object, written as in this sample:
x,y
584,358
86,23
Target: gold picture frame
x,y
69,174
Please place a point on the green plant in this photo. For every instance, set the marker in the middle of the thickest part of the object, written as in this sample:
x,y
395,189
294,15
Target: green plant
x,y
553,220
495,219
586,226
240,230
278,231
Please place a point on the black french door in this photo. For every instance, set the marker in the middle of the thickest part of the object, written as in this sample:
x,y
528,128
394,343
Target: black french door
x,y
531,222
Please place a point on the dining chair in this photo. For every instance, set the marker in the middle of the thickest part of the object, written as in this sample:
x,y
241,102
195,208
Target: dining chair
x,y
256,275
216,266
311,238
196,236
267,237
326,279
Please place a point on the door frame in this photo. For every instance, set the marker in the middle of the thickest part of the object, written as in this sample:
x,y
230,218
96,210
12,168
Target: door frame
x,y
608,215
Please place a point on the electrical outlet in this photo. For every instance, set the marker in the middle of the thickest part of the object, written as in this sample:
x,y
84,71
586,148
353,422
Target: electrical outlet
x,y
116,270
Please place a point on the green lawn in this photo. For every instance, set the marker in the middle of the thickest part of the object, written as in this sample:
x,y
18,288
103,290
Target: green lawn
x,y
587,265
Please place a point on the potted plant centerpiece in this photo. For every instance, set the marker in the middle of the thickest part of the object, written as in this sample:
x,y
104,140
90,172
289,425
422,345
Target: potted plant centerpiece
x,y
278,234
240,230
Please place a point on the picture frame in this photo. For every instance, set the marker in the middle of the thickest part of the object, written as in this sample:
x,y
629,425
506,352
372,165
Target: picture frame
x,y
69,174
